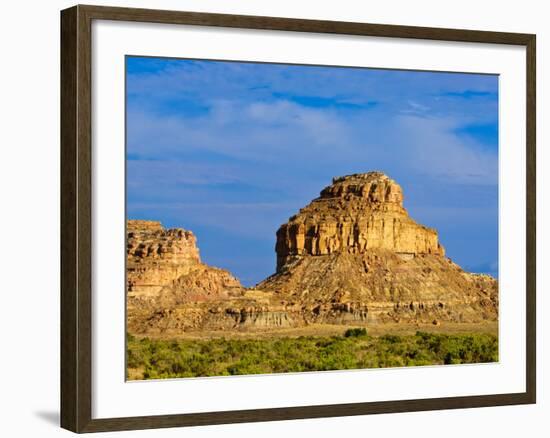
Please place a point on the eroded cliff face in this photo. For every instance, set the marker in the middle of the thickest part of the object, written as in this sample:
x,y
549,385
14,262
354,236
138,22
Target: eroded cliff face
x,y
352,256
355,214
164,271
379,286
156,257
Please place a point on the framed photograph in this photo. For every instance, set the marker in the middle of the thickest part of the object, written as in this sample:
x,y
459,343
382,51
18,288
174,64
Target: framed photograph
x,y
269,218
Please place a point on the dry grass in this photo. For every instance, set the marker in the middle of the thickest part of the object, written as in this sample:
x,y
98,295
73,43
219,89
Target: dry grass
x,y
489,327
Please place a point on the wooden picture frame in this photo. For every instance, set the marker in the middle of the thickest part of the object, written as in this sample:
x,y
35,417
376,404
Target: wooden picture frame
x,y
76,217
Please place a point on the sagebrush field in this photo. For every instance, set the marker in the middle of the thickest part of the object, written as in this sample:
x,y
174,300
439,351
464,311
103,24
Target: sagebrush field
x,y
354,349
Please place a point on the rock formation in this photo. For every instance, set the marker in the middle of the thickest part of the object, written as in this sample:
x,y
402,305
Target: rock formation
x,y
352,256
156,257
164,270
355,214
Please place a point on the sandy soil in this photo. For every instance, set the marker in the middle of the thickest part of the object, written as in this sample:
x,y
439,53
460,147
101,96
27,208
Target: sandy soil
x,y
331,330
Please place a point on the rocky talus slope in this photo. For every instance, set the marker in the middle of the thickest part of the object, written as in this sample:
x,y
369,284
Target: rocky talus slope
x,y
352,256
164,271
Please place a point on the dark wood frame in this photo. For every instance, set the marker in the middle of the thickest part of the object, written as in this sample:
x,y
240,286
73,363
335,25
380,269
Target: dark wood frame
x,y
76,237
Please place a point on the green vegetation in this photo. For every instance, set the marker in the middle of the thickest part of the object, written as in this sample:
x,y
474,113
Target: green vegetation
x,y
355,332
156,359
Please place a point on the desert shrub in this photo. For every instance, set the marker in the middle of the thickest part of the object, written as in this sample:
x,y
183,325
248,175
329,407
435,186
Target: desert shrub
x,y
355,332
156,359
392,339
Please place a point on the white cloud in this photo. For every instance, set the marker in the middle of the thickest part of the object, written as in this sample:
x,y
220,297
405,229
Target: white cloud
x,y
415,108
431,147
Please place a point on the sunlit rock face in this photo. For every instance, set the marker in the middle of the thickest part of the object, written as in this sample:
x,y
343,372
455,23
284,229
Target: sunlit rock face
x,y
351,256
156,257
161,260
354,214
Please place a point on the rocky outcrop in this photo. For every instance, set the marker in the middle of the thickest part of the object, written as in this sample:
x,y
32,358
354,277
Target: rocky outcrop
x,y
379,286
157,257
352,256
164,271
170,290
355,214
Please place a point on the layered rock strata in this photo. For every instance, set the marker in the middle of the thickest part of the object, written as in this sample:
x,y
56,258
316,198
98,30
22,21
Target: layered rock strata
x,y
352,256
156,257
164,272
355,214
379,286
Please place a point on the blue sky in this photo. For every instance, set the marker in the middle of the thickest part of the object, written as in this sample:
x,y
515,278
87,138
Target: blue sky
x,y
231,150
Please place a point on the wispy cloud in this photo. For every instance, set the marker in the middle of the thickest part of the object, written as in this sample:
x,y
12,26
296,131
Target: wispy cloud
x,y
433,148
471,94
415,108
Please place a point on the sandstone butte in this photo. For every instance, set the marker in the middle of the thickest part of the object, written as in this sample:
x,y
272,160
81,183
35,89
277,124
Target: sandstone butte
x,y
352,256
